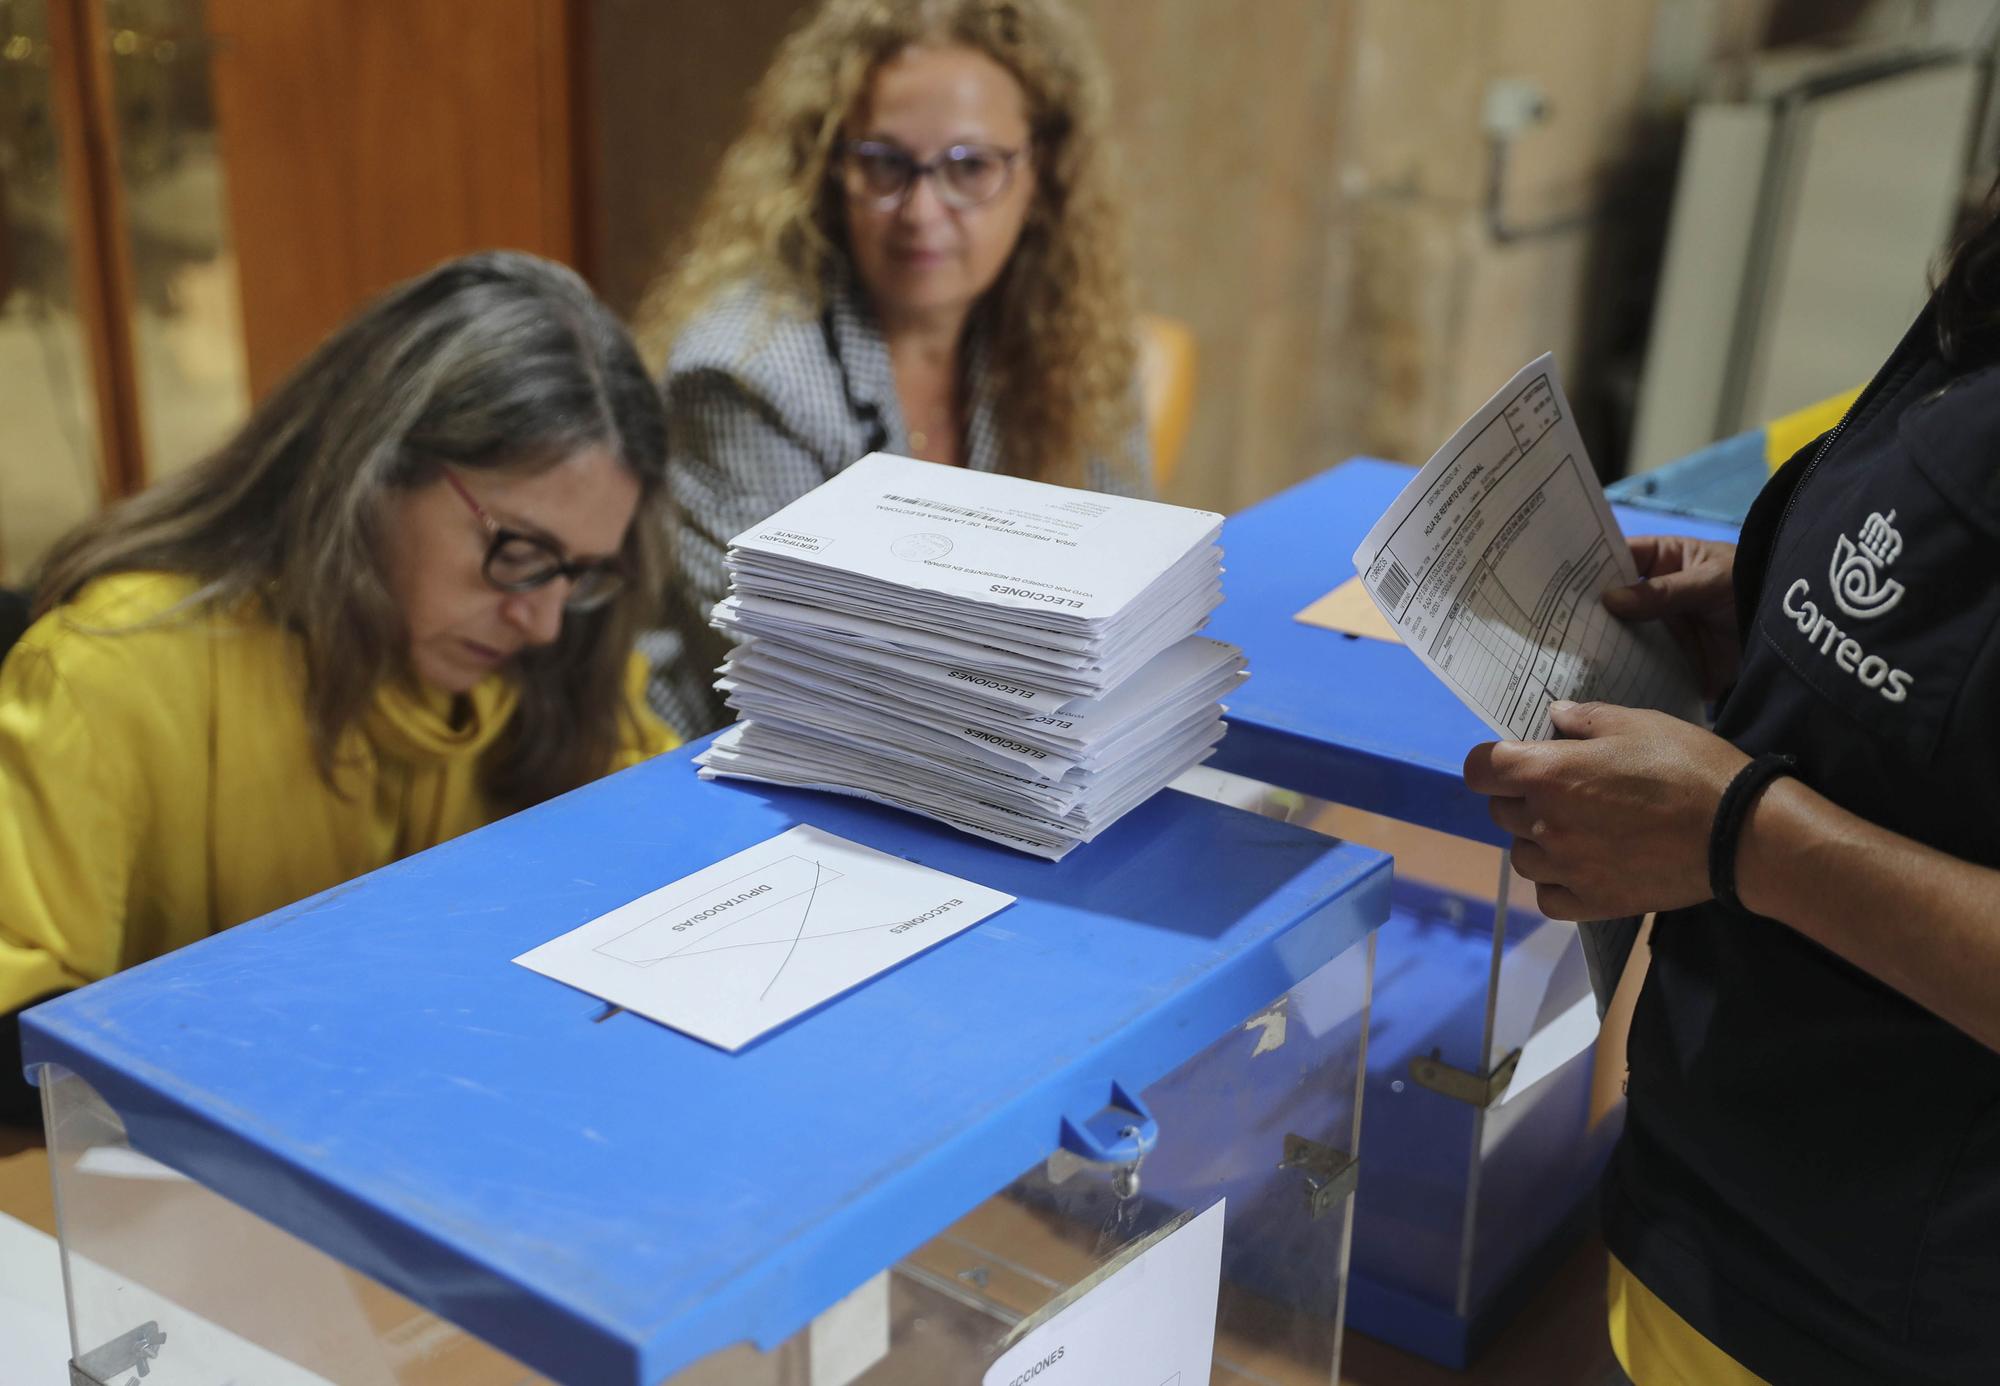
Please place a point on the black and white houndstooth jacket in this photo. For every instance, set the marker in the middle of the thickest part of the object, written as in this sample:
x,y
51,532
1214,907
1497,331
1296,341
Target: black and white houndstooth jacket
x,y
763,404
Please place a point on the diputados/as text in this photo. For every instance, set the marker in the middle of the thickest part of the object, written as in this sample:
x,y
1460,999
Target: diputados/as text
x,y
720,906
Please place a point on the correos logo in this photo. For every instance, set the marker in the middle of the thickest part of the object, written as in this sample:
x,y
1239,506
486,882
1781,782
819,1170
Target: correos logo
x,y
1860,591
1856,570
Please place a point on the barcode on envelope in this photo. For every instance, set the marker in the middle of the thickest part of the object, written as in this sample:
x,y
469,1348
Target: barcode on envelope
x,y
952,509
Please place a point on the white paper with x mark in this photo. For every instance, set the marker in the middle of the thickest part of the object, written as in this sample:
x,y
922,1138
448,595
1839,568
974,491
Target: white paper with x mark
x,y
745,945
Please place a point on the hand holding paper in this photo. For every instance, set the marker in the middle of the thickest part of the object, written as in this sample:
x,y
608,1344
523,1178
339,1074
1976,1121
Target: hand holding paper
x,y
1493,563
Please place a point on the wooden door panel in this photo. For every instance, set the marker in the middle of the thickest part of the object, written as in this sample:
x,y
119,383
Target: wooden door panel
x,y
367,140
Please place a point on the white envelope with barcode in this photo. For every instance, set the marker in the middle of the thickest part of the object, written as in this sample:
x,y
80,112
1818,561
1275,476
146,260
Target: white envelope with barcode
x,y
1003,541
1017,659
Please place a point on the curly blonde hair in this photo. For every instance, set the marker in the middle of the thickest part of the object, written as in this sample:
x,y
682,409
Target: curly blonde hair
x,y
1058,323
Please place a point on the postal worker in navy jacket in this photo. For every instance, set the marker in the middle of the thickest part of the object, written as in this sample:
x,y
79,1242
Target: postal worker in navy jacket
x,y
1808,1188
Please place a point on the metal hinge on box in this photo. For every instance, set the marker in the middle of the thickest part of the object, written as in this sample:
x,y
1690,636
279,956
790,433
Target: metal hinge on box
x,y
1331,1173
105,1365
1475,1089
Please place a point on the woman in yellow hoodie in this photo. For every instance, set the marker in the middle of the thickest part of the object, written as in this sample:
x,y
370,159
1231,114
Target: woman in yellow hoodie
x,y
400,603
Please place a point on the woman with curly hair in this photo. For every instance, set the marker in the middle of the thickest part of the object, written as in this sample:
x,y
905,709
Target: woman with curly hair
x,y
915,247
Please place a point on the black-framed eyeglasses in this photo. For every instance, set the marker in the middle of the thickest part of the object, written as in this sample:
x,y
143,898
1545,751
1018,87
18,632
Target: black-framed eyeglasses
x,y
882,174
517,562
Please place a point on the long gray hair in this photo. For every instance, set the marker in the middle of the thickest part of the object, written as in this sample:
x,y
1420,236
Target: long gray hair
x,y
495,360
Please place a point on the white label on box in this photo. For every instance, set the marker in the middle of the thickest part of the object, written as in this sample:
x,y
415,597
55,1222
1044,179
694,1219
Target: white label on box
x,y
765,935
1149,1322
852,1336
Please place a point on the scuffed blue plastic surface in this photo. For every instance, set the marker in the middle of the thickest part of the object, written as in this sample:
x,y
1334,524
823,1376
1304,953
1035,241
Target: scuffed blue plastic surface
x,y
1362,722
1716,484
1431,966
1537,1180
1342,717
609,1200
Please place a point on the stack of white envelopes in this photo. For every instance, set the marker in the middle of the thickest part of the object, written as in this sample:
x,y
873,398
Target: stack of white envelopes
x,y
1019,660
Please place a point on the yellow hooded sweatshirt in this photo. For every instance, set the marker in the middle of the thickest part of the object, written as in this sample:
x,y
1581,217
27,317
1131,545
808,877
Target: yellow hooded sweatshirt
x,y
157,780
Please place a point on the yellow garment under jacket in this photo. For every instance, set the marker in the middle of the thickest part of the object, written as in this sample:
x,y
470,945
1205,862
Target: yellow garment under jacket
x,y
1657,1347
157,781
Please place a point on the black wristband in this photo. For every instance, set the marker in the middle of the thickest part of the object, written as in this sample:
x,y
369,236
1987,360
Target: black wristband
x,y
1727,830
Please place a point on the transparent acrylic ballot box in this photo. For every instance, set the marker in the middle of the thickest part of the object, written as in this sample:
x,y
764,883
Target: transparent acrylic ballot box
x,y
352,1142
1485,1145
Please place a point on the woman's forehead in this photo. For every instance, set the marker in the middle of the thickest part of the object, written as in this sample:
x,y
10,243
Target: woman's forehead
x,y
943,92
584,500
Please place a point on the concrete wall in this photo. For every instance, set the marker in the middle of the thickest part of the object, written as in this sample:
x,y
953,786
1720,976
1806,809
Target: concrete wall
x,y
1312,178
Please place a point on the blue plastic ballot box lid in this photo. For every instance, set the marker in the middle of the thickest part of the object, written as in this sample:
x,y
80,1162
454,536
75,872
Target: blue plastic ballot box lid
x,y
609,1200
1346,718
